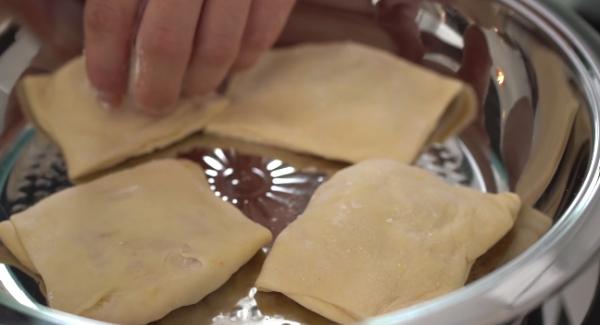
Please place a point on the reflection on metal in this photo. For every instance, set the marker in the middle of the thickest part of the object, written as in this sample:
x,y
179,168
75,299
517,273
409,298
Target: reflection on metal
x,y
500,77
39,172
247,312
452,161
14,289
267,190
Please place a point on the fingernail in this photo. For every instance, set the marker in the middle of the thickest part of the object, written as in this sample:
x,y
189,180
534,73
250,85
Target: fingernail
x,y
107,100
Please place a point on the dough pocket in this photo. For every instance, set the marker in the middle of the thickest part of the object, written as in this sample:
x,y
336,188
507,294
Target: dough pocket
x,y
380,236
344,101
64,106
134,245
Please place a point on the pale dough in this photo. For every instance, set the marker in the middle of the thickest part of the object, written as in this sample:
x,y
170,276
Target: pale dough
x,y
530,226
132,246
92,138
556,198
217,307
344,101
380,236
554,117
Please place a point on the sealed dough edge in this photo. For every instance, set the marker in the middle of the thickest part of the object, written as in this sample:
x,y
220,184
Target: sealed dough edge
x,y
12,251
460,113
325,309
40,98
28,89
10,239
529,227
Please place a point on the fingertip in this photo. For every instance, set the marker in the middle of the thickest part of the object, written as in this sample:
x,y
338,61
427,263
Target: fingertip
x,y
108,28
109,87
265,24
108,100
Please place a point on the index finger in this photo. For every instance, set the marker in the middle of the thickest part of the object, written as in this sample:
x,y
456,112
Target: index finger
x,y
264,25
109,27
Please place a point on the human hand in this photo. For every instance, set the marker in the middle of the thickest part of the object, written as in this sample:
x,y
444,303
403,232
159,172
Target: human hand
x,y
160,50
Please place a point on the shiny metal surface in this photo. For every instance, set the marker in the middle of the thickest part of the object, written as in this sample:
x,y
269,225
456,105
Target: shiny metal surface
x,y
537,133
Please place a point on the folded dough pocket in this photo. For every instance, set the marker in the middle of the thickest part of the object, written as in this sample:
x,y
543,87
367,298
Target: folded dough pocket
x,y
344,101
530,226
132,246
92,138
381,235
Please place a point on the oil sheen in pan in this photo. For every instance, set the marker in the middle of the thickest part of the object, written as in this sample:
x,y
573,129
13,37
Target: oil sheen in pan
x,y
266,189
